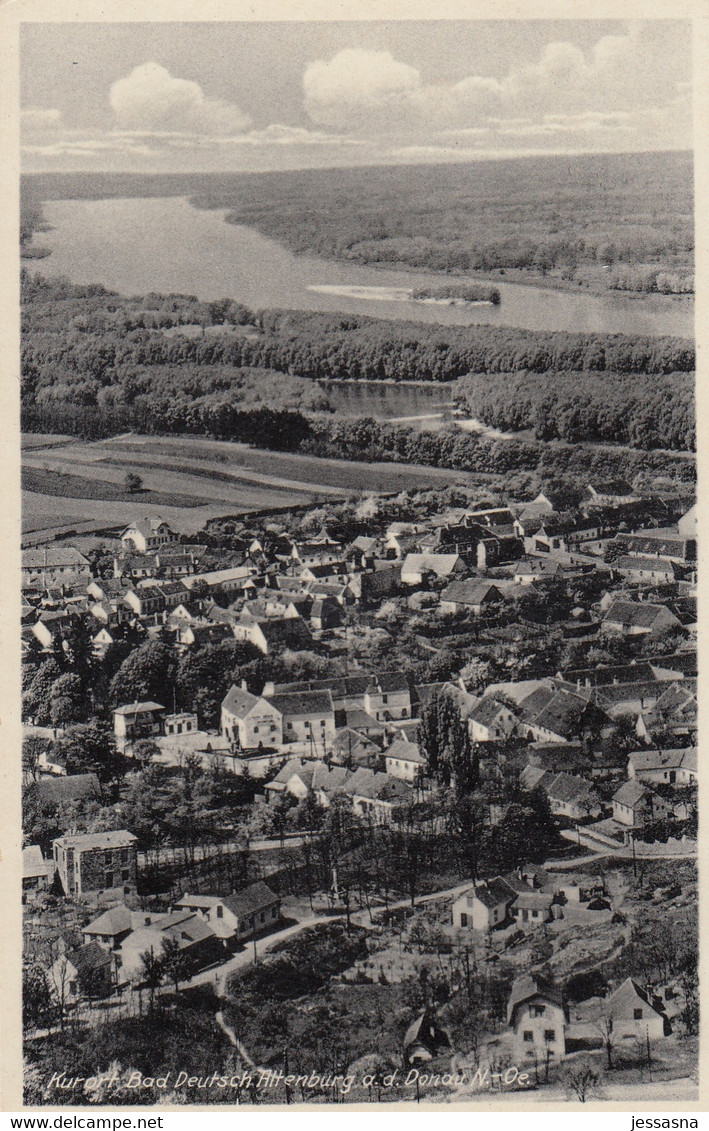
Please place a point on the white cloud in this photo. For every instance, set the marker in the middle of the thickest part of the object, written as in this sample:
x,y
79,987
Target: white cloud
x,y
289,136
152,99
631,74
356,85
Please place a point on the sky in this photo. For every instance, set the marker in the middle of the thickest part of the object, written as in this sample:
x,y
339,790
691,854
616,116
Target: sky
x,y
254,96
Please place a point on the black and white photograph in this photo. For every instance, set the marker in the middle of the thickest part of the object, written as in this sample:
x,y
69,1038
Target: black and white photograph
x,y
358,562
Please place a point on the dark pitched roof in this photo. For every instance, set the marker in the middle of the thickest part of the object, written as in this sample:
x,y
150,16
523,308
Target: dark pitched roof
x,y
88,958
303,702
639,614
605,676
254,898
493,892
286,631
471,591
631,793
239,702
568,787
530,986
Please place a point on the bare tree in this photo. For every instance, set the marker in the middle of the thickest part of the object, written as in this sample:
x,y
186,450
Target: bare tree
x,y
583,1078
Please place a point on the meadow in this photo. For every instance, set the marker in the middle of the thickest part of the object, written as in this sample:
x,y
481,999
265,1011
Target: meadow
x,y
189,481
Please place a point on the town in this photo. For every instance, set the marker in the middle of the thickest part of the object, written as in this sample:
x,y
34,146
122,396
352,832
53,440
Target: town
x,y
369,785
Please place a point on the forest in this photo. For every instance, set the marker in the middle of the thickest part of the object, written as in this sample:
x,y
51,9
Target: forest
x,y
648,411
95,363
605,221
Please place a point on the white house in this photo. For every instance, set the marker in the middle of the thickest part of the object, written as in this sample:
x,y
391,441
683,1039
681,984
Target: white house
x,y
249,720
148,534
404,760
484,906
536,1014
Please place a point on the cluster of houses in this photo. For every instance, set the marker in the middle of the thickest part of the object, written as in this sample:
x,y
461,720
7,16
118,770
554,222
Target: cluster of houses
x,y
100,869
286,592
528,897
356,736
544,1027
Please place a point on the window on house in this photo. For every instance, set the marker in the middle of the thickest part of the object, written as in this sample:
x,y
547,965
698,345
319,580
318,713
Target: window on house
x,y
109,880
125,874
273,912
385,698
463,919
528,1035
262,917
637,1014
549,1034
220,911
255,730
537,1011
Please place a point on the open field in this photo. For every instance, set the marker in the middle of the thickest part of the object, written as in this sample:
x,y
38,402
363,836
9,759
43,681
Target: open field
x,y
191,481
64,485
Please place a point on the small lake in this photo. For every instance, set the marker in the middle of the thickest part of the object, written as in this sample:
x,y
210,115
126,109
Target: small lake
x,y
163,244
426,405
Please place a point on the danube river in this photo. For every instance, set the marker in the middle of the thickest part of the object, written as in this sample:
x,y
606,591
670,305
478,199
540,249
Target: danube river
x,y
163,244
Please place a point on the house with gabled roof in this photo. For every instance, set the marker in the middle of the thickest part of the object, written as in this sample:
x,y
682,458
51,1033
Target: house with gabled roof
x,y
555,713
388,696
375,795
307,717
636,618
664,767
404,760
647,570
234,918
249,721
37,873
418,568
353,748
84,972
571,796
48,565
629,1013
146,534
470,595
133,721
538,1017
485,905
271,634
663,546
114,925
197,942
491,720
635,805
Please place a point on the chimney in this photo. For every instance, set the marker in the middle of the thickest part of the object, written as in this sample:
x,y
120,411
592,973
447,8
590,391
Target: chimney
x,y
243,685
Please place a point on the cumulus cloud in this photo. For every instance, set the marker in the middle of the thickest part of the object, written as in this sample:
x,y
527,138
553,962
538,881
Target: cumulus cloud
x,y
152,99
357,84
633,73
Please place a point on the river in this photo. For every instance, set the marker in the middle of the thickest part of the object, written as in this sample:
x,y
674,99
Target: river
x,y
163,244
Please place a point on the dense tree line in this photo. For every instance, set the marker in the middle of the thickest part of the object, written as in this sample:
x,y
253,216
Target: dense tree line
x,y
94,363
364,440
640,411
